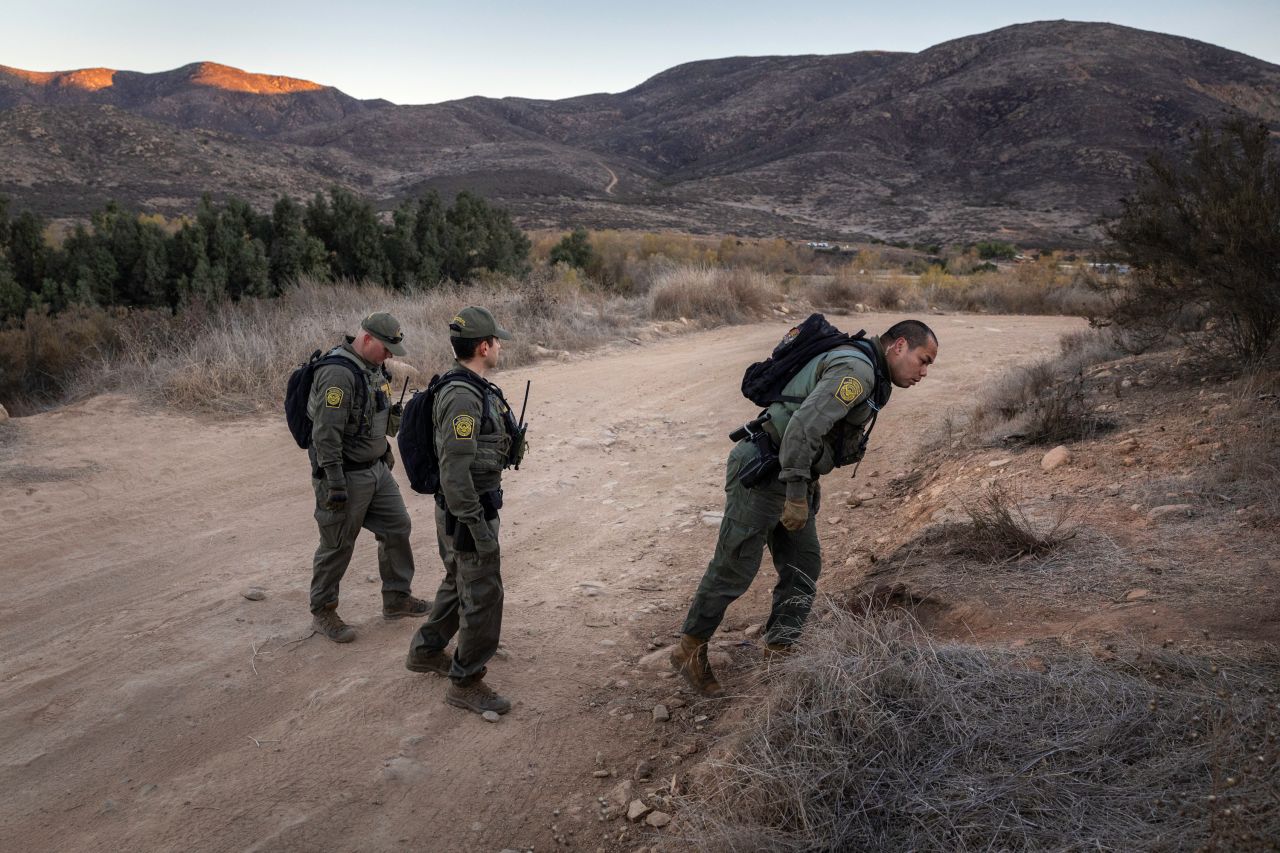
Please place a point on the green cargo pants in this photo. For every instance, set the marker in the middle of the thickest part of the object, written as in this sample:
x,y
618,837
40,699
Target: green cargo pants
x,y
468,603
374,503
750,524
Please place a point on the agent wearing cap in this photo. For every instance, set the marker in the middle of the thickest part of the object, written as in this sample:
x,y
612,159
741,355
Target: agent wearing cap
x,y
351,464
476,437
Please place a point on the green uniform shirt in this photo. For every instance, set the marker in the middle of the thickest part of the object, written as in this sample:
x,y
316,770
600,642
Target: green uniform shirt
x,y
336,432
826,428
472,450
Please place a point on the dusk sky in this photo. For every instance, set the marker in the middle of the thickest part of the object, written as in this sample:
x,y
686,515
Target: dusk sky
x,y
424,52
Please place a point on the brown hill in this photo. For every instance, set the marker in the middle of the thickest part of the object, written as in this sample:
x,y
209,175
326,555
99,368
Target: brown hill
x,y
1031,131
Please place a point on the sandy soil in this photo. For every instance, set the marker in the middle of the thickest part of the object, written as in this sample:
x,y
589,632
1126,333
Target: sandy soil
x,y
146,705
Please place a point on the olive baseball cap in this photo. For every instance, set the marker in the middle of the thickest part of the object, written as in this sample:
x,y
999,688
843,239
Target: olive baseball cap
x,y
386,329
476,322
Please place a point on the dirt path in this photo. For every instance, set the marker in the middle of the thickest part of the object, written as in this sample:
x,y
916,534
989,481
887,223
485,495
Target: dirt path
x,y
135,714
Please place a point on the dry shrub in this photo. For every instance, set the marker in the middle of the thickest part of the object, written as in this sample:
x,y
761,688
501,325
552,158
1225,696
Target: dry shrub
x,y
874,738
715,295
1248,469
1000,531
38,358
1045,402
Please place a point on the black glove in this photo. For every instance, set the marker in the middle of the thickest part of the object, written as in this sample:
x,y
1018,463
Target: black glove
x,y
337,499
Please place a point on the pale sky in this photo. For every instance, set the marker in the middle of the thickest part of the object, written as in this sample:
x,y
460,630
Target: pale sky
x,y
426,51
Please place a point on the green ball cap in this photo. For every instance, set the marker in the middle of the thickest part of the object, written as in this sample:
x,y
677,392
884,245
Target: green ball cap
x,y
476,322
386,329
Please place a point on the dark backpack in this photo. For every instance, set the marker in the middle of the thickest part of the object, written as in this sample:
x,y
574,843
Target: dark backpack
x,y
298,392
763,381
417,440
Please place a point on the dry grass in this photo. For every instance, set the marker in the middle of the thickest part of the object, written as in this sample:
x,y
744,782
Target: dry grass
x,y
235,358
875,738
1045,402
712,294
1248,468
1000,530
1029,289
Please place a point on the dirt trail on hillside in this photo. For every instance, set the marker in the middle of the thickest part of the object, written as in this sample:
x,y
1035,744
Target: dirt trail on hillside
x,y
146,705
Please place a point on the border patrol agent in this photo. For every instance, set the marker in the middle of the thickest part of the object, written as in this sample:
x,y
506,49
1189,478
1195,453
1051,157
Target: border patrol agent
x,y
811,438
476,437
351,464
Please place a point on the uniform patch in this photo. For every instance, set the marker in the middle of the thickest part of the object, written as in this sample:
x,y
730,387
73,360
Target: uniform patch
x,y
461,322
464,426
333,398
850,389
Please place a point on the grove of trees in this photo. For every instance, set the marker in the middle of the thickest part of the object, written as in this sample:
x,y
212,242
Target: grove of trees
x,y
230,251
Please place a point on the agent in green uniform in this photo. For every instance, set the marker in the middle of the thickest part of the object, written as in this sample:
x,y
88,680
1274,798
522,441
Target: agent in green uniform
x,y
811,437
476,437
351,463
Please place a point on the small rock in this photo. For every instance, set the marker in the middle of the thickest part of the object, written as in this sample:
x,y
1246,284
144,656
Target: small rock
x,y
712,519
4,415
601,774
1111,490
254,593
637,810
1055,458
622,794
658,819
1135,594
491,716
863,497
674,702
1167,510
644,769
998,463
657,660
661,714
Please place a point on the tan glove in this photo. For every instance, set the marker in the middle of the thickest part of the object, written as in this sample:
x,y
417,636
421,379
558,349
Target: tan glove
x,y
795,513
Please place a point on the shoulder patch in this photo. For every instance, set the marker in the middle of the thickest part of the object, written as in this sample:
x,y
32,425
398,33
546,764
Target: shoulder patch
x,y
464,426
850,389
333,398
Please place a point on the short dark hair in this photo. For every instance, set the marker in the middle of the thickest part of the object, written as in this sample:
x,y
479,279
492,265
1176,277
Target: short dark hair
x,y
465,348
916,333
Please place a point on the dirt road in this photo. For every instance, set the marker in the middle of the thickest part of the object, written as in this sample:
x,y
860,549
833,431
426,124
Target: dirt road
x,y
146,705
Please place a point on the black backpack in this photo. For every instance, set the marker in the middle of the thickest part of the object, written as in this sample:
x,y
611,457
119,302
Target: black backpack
x,y
298,392
416,439
763,381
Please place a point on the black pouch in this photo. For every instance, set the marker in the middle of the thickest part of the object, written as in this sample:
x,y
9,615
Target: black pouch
x,y
764,467
491,502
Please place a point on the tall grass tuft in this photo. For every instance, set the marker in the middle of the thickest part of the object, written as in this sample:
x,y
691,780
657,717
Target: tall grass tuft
x,y
710,293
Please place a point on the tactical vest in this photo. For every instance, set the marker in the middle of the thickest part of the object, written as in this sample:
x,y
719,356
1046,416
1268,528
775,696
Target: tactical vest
x,y
847,437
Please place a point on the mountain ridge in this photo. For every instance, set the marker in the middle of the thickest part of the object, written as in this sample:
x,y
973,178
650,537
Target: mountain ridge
x,y
1033,130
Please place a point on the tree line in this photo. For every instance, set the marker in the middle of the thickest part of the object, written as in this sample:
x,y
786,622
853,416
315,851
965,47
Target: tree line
x,y
231,251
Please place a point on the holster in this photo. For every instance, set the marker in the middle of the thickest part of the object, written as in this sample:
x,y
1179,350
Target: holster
x,y
765,466
460,533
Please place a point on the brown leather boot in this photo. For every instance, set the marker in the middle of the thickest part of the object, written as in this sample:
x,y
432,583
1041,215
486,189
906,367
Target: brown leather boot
x,y
328,622
690,660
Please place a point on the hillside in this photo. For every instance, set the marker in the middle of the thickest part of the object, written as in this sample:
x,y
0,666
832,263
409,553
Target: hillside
x,y
1031,131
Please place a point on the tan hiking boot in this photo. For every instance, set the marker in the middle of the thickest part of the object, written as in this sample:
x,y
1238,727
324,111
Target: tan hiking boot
x,y
690,660
404,605
329,623
476,696
421,660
